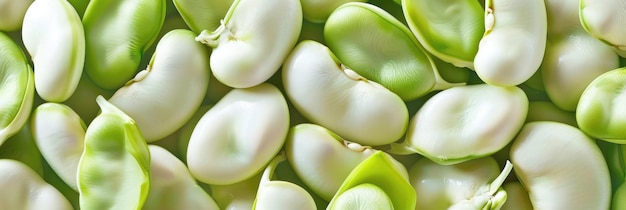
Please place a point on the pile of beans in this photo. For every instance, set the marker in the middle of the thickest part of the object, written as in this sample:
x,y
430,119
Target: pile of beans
x,y
312,104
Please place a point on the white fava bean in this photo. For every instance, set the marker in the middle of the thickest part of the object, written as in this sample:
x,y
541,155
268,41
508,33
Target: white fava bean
x,y
59,133
238,136
561,167
253,40
12,14
276,195
321,159
514,42
337,98
54,37
466,122
178,72
22,188
171,185
604,20
473,184
571,63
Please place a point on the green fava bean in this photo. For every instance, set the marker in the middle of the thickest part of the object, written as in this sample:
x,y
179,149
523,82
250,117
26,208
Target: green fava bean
x,y
57,50
59,133
600,112
378,181
253,40
449,29
114,169
380,48
117,33
17,88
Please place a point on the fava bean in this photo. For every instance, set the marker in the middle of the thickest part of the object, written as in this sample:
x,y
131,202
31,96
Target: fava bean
x,y
117,33
249,46
449,29
275,195
377,182
596,16
54,37
178,71
599,111
321,158
238,136
473,184
569,161
466,122
324,91
114,169
513,46
59,133
17,88
380,48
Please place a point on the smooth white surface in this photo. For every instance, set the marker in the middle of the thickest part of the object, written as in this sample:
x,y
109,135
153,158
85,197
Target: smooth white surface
x,y
238,136
54,37
358,110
